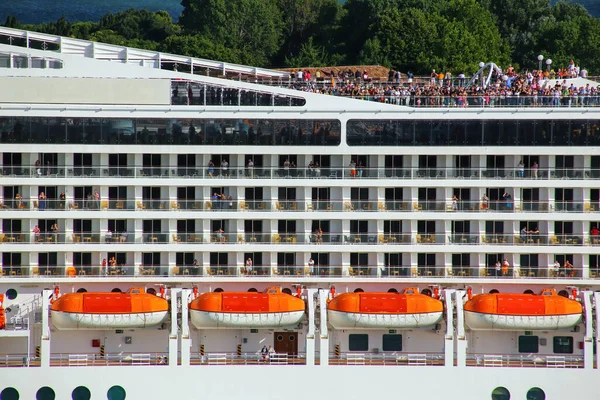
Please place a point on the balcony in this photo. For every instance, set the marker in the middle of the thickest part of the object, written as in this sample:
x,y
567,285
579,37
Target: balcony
x,y
370,271
276,172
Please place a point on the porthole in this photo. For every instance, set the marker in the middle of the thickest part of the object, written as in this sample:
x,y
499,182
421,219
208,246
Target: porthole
x,y
291,338
564,293
533,394
500,393
218,290
392,290
426,292
81,290
9,393
45,393
358,290
528,291
151,291
81,393
116,290
11,294
279,338
116,393
286,291
252,290
493,291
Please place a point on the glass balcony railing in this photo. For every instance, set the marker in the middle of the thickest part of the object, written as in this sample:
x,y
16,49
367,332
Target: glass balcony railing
x,y
290,238
309,205
332,172
433,272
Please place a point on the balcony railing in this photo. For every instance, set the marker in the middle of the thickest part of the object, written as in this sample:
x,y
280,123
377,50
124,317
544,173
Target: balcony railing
x,y
485,101
276,172
387,359
370,271
522,360
292,238
320,205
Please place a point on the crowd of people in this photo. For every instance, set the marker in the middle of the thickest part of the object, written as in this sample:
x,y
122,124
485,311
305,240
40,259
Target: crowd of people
x,y
506,87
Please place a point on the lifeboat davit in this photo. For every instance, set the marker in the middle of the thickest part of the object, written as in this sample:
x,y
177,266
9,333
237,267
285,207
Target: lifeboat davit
x,y
271,309
405,310
108,310
509,311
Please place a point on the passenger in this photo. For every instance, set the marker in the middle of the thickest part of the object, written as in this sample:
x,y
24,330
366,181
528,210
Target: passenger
x,y
225,167
211,168
108,237
484,202
505,267
521,169
249,266
264,353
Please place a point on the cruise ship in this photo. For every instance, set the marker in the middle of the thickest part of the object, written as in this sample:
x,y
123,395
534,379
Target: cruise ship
x,y
174,227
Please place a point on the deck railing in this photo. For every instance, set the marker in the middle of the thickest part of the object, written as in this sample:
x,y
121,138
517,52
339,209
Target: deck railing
x,y
300,172
524,361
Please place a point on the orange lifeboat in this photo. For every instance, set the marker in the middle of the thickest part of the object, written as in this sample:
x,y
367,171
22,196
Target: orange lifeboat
x,y
271,309
405,310
509,311
108,310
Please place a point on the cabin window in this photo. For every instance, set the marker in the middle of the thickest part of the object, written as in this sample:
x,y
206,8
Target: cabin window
x,y
529,344
358,342
392,342
563,344
536,394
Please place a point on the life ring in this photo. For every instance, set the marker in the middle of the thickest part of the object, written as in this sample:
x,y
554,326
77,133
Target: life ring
x,y
332,291
195,291
299,290
469,292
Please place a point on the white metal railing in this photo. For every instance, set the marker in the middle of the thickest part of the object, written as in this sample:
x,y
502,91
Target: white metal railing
x,y
392,358
247,359
78,360
355,359
524,360
140,359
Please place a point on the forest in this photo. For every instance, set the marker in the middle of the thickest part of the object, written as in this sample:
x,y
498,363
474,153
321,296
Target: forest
x,y
408,35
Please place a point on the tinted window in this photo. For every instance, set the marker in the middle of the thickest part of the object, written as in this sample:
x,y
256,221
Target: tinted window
x,y
563,344
392,342
358,342
528,344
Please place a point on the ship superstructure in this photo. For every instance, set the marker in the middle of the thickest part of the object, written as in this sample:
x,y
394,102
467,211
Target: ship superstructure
x,y
165,219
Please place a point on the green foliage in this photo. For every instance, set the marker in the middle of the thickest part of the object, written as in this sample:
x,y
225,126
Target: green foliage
x,y
416,35
455,35
310,55
251,29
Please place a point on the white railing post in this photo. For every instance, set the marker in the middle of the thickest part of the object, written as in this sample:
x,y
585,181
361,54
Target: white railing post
x,y
173,332
186,341
310,335
45,342
324,344
449,337
461,339
588,344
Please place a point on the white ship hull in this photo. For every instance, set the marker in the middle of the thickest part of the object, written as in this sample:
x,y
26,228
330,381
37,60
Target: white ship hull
x,y
345,320
480,321
212,320
196,382
74,321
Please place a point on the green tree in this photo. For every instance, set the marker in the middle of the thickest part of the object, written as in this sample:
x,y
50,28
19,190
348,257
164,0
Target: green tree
x,y
518,21
455,35
140,24
570,34
303,20
198,46
252,29
311,55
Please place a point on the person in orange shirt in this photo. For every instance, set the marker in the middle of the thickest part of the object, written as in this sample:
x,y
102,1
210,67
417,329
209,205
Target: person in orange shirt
x,y
505,266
